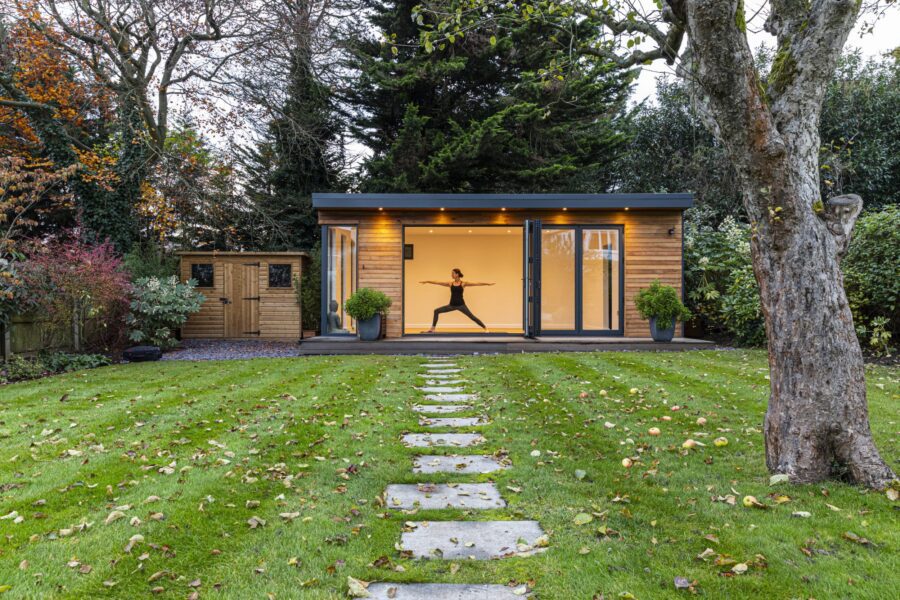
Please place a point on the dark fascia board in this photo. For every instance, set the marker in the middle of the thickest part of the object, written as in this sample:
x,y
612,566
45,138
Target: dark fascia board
x,y
492,201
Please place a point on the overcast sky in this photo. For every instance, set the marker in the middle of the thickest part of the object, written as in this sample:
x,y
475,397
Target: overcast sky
x,y
884,37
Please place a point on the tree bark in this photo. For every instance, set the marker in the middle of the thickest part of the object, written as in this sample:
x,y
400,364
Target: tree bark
x,y
817,423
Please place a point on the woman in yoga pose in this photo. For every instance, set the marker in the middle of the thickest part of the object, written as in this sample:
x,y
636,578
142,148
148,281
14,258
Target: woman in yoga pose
x,y
457,285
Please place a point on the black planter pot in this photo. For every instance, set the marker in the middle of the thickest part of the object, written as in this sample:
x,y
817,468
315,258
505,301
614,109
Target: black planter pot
x,y
661,331
370,329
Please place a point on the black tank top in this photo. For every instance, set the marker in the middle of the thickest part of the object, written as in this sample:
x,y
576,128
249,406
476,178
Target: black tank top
x,y
456,295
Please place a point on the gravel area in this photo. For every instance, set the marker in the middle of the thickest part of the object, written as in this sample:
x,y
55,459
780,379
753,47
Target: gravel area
x,y
232,350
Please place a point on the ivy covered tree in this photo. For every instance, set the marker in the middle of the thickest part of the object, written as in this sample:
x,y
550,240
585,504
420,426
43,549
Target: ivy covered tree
x,y
480,115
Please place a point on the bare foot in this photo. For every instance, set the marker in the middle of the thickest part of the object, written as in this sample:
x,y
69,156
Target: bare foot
x,y
485,330
430,330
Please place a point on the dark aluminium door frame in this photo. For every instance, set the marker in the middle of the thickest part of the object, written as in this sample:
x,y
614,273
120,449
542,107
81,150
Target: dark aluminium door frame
x,y
579,282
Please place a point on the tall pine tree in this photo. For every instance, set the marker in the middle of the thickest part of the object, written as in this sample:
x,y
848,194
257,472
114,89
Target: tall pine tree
x,y
481,116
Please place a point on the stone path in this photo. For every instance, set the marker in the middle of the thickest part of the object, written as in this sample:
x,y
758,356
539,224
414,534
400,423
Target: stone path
x,y
456,540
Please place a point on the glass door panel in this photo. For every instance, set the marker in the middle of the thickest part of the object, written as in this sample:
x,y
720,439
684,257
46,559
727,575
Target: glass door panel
x,y
558,279
599,279
341,278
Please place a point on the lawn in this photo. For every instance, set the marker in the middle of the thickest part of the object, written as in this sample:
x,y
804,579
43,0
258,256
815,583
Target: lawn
x,y
196,456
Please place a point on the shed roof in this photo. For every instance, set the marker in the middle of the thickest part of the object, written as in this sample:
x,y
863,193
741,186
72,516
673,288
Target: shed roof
x,y
225,254
508,201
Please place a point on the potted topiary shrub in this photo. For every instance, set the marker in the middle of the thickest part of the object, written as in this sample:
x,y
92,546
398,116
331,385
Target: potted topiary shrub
x,y
368,306
662,306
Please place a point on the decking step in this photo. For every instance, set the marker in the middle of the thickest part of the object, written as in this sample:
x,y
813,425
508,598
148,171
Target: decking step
x,y
440,409
451,397
443,591
428,440
452,422
455,463
477,540
429,496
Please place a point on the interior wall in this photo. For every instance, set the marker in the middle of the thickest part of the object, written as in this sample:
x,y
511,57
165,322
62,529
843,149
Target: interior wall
x,y
483,254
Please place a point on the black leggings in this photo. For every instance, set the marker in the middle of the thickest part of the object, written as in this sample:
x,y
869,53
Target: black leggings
x,y
450,308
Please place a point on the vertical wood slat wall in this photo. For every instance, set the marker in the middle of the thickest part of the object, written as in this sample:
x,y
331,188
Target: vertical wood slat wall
x,y
650,252
278,313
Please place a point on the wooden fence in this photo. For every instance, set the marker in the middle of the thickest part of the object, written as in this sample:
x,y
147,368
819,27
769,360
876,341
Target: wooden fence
x,y
26,335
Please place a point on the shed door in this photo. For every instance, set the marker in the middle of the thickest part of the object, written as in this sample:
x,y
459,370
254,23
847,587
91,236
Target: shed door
x,y
242,306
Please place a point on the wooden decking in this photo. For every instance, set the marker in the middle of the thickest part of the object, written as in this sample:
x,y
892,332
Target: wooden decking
x,y
491,345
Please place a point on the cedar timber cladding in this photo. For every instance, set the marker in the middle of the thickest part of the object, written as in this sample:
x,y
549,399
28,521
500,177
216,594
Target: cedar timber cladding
x,y
650,251
253,310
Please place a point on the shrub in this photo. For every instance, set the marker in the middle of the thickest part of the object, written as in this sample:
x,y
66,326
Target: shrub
x,y
18,367
720,285
366,303
872,274
159,307
74,284
660,301
309,290
64,362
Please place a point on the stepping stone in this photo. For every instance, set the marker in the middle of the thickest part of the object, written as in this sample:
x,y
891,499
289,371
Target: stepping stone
x,y
440,409
428,496
446,365
451,397
438,376
470,463
440,389
478,540
442,591
442,371
427,440
452,422
445,381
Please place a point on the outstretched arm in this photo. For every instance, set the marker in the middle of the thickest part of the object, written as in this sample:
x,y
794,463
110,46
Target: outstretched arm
x,y
472,283
443,283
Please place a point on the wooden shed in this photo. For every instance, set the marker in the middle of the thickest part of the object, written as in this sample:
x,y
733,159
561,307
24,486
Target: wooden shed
x,y
553,264
248,294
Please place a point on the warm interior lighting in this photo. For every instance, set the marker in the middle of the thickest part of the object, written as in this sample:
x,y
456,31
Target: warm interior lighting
x,y
431,231
626,208
442,209
380,208
503,209
564,208
470,231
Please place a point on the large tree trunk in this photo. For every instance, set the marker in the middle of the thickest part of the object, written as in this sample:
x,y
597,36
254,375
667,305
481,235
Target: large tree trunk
x,y
817,423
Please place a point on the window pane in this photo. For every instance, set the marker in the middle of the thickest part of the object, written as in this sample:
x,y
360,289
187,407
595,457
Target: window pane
x,y
558,279
341,278
203,274
279,276
600,279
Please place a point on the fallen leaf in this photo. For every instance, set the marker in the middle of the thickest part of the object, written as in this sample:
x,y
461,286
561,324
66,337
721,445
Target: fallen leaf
x,y
357,588
582,519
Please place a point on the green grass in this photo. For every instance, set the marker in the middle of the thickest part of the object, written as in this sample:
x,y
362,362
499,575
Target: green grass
x,y
291,429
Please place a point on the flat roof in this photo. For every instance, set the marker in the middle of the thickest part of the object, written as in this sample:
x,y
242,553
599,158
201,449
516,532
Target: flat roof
x,y
510,201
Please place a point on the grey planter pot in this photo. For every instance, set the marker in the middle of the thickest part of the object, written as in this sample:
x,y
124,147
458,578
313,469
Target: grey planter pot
x,y
660,334
370,329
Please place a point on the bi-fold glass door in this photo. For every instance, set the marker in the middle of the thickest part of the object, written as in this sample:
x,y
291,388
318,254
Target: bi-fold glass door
x,y
574,279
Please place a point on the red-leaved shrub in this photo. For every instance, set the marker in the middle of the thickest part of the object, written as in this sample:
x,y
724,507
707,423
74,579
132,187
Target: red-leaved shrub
x,y
81,290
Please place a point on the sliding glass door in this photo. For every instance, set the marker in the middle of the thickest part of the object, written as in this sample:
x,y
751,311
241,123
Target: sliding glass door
x,y
581,279
338,278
